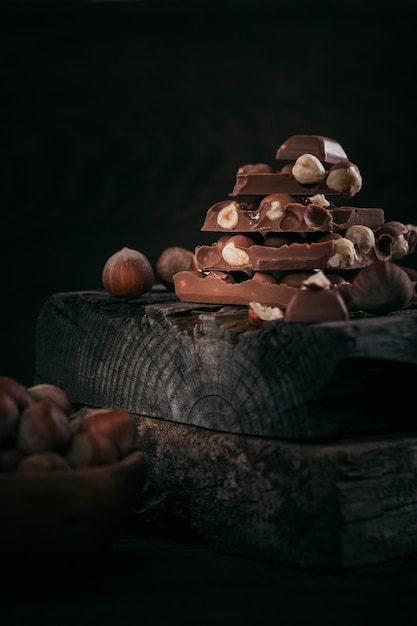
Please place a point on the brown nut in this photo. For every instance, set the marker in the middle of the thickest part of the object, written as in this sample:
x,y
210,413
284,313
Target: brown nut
x,y
116,424
56,395
127,273
9,415
90,449
259,313
380,288
308,170
47,461
43,426
16,390
172,260
344,177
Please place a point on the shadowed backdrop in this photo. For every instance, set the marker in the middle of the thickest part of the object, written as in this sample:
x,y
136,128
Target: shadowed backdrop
x,y
123,122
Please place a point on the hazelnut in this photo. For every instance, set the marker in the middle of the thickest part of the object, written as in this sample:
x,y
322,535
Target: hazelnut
x,y
90,449
308,170
234,256
9,415
232,251
43,426
56,395
317,280
172,260
17,391
116,424
344,177
392,241
47,461
128,273
344,255
259,313
320,200
380,288
228,216
273,206
362,237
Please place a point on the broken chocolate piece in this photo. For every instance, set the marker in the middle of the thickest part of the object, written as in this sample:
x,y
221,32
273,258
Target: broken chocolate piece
x,y
265,184
230,253
212,288
327,150
222,288
316,305
281,213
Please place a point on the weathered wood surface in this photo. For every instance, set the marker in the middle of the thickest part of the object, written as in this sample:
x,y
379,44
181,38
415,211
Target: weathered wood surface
x,y
204,365
311,505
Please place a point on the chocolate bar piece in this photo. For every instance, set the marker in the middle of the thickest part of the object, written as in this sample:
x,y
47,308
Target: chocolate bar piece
x,y
264,184
321,305
327,150
216,288
221,288
239,252
281,213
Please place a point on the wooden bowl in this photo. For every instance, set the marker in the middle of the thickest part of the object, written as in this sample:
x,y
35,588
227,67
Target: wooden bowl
x,y
66,515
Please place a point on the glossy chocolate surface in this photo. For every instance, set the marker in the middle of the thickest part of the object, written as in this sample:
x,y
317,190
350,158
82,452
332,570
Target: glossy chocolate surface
x,y
265,184
292,216
222,288
322,305
252,256
325,149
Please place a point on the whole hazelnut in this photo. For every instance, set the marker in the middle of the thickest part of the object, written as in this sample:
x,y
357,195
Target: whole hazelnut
x,y
47,461
127,273
56,395
90,449
308,170
17,391
344,177
43,426
172,260
9,415
380,288
116,424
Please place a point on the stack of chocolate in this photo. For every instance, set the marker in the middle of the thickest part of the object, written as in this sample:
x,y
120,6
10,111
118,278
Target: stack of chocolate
x,y
290,227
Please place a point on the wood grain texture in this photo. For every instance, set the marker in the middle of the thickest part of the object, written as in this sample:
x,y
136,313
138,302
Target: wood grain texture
x,y
205,365
331,505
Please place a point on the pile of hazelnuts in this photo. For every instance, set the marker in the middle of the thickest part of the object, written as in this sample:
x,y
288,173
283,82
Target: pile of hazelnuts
x,y
129,272
40,432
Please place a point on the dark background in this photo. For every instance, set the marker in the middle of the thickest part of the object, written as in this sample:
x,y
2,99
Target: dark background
x,y
122,122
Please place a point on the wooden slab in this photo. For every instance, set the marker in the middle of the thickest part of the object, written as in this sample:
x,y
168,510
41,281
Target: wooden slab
x,y
204,365
312,505
242,428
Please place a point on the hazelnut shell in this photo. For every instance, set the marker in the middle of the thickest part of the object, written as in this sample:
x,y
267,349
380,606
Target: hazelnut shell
x,y
127,273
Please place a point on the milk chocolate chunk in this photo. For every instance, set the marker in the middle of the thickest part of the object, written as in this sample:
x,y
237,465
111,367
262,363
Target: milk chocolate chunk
x,y
316,305
217,288
327,150
264,184
239,253
281,213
